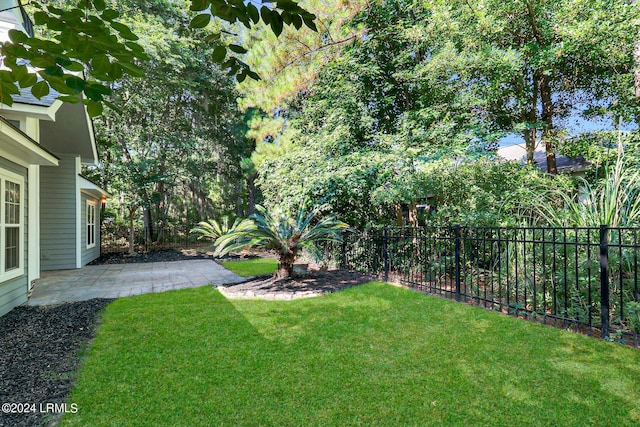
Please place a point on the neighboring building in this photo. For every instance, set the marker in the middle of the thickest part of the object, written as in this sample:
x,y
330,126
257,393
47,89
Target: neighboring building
x,y
518,152
49,213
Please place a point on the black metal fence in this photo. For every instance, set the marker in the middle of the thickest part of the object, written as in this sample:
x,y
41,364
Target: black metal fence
x,y
115,239
580,278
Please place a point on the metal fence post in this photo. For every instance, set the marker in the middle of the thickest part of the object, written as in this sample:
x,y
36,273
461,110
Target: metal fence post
x,y
604,280
456,230
385,253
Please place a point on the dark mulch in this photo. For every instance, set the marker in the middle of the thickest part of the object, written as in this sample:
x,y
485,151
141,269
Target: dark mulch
x,y
315,282
40,355
152,256
162,256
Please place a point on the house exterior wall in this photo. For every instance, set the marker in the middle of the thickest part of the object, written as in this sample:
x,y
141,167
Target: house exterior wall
x,y
89,253
14,292
58,215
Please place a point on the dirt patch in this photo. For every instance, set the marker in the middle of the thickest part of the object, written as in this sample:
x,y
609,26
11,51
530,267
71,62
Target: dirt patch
x,y
310,284
40,356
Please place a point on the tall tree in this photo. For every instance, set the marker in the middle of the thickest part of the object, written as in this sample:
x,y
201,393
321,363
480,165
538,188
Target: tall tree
x,y
174,148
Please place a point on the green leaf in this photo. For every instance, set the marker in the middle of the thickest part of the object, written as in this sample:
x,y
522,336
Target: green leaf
x,y
70,99
17,36
219,53
74,66
212,37
101,64
229,63
115,72
265,12
112,106
53,71
63,61
6,76
99,4
110,14
253,12
253,75
40,18
308,21
276,23
286,17
200,21
93,93
5,95
124,31
20,72
237,49
28,80
241,77
76,83
287,5
41,62
296,20
94,109
40,89
197,5
131,69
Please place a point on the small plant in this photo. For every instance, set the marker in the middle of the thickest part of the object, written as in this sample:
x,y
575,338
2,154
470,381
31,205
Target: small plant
x,y
614,201
285,235
615,337
213,229
633,315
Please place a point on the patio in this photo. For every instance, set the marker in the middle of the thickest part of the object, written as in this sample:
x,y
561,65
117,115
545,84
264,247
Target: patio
x,y
122,280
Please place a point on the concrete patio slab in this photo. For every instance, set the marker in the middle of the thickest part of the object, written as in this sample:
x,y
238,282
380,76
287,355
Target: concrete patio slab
x,y
121,280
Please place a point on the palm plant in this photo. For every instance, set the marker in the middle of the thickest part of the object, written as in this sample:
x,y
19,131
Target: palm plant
x,y
286,236
213,229
615,201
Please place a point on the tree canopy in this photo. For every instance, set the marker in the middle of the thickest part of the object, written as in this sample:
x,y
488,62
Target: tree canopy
x,y
87,46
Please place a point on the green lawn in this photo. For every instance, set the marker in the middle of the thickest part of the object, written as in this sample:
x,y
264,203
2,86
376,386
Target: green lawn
x,y
252,267
370,355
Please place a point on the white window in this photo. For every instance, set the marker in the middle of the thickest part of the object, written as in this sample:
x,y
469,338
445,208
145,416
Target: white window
x,y
91,224
11,225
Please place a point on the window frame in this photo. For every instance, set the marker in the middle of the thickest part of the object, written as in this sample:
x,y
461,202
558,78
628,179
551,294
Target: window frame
x,y
91,225
17,271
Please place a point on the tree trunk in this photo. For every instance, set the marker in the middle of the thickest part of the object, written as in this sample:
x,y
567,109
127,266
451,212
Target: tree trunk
x,y
285,266
251,186
399,217
530,144
547,118
132,231
530,135
544,85
148,227
413,214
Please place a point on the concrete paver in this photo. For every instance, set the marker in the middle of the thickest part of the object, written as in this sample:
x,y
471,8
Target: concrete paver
x,y
117,280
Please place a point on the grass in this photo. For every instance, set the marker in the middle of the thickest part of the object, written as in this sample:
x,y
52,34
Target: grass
x,y
370,355
252,267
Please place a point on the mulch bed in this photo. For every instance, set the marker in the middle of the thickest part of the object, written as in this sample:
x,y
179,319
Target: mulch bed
x,y
40,356
154,256
311,284
163,255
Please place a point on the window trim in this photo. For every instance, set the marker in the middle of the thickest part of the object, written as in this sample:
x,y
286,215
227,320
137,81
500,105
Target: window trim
x,y
91,236
5,176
